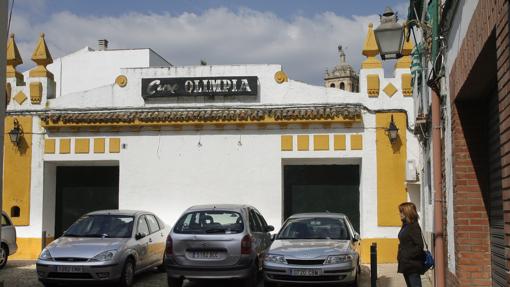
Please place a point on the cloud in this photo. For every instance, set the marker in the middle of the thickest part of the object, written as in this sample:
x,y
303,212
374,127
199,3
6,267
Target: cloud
x,y
305,46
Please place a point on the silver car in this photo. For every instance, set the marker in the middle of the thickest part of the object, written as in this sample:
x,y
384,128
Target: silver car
x,y
105,246
217,242
8,241
314,248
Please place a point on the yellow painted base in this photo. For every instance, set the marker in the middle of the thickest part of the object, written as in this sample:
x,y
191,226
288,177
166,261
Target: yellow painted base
x,y
386,250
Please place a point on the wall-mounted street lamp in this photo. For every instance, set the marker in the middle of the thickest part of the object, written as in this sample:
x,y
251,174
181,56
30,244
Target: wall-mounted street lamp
x,y
389,35
15,133
392,131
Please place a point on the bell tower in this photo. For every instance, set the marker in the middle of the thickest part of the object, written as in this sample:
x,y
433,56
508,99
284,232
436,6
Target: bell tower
x,y
342,76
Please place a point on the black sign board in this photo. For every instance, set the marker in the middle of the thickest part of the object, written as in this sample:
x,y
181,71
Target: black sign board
x,y
206,86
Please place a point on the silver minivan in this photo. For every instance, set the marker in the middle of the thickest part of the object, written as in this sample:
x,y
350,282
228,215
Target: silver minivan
x,y
8,243
217,242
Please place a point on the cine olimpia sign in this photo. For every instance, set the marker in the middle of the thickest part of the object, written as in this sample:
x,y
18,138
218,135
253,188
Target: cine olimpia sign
x,y
207,86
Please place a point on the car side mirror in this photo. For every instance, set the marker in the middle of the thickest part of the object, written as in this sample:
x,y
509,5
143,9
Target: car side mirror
x,y
356,237
269,228
140,235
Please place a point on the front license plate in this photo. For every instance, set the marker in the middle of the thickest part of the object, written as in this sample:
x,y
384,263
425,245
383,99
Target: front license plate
x,y
205,254
305,272
70,269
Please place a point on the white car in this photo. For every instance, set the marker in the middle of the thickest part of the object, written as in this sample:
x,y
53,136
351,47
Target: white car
x,y
8,243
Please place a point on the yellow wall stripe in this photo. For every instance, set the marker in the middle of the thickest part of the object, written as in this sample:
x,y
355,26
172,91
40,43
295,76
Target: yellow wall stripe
x,y
17,170
65,146
114,145
387,249
356,142
303,142
49,146
82,145
286,143
99,144
321,142
339,142
391,164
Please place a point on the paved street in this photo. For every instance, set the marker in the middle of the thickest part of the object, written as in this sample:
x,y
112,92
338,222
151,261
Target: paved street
x,y
22,274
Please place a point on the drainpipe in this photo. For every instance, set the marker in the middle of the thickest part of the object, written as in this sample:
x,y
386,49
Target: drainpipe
x,y
436,159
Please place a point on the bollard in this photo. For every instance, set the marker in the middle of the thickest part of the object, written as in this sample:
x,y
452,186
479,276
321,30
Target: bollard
x,y
43,241
373,265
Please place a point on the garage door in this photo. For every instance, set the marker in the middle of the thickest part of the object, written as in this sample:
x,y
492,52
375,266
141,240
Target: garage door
x,y
320,188
84,189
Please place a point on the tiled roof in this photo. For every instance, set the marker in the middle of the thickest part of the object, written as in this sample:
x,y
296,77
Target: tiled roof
x,y
243,115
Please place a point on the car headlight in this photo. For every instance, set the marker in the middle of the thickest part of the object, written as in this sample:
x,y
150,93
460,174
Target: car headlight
x,y
104,256
335,259
272,258
45,255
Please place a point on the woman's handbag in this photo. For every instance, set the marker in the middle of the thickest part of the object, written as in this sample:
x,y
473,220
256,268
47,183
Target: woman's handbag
x,y
427,255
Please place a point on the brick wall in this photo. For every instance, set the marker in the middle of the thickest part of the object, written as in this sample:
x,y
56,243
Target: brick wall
x,y
491,19
472,238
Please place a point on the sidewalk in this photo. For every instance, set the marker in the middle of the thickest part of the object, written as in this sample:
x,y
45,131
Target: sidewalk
x,y
388,277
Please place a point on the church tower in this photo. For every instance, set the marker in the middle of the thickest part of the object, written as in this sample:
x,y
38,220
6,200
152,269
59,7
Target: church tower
x,y
342,76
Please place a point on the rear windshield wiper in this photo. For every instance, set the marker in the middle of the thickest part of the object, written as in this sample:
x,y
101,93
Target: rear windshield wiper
x,y
216,230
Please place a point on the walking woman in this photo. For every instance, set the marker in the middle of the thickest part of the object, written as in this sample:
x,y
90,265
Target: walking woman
x,y
410,249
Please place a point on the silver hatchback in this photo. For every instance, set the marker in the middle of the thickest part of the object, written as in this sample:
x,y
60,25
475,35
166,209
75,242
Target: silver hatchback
x,y
217,242
314,248
104,246
8,241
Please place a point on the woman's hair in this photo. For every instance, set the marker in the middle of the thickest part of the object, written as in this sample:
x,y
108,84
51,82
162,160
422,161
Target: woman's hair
x,y
408,209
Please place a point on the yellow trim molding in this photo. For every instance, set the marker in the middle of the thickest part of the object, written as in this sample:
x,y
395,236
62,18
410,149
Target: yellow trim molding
x,y
391,165
286,143
49,146
82,145
17,170
339,142
321,142
373,85
390,90
121,81
36,92
387,249
356,142
114,145
303,143
407,89
65,146
99,145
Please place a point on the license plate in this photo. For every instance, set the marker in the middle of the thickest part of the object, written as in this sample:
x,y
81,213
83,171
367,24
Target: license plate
x,y
205,255
70,269
305,272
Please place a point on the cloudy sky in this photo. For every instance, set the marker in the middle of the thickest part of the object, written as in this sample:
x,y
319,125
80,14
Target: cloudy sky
x,y
302,35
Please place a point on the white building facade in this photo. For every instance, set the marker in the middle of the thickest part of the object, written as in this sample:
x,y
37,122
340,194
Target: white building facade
x,y
125,129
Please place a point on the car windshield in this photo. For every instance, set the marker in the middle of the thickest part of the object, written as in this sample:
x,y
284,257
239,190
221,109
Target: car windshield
x,y
210,222
104,225
315,228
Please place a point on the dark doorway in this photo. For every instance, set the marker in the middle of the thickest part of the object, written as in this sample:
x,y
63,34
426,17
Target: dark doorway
x,y
82,189
320,188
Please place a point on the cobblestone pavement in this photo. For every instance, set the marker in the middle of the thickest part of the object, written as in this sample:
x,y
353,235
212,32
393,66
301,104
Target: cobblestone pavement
x,y
22,274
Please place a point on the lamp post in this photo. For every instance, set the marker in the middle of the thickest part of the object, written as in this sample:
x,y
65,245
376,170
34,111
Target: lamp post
x,y
389,35
15,133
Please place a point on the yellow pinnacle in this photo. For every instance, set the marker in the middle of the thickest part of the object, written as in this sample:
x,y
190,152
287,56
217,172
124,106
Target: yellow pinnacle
x,y
370,50
13,59
405,61
42,58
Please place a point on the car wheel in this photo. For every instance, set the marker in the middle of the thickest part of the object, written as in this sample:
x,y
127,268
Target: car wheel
x,y
174,282
128,273
4,254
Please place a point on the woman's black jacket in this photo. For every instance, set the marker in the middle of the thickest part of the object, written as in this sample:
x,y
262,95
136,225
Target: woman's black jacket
x,y
410,249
